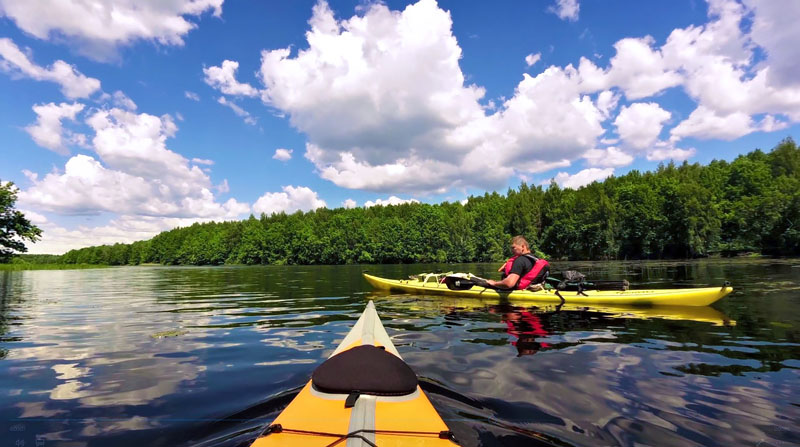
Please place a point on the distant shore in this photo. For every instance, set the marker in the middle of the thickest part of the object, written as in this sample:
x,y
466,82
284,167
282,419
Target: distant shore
x,y
24,266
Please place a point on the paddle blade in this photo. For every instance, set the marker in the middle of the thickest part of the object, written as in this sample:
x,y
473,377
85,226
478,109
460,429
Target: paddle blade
x,y
456,283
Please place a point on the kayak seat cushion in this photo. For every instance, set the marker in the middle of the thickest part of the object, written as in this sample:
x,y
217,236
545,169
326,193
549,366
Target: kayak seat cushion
x,y
367,369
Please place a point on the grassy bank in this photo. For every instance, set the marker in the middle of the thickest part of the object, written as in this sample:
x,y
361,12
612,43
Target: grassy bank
x,y
25,266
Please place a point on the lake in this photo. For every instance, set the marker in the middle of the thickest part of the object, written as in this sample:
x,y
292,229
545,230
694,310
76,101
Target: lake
x,y
209,355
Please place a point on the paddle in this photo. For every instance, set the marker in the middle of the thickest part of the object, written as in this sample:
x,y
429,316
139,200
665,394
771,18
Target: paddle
x,y
465,283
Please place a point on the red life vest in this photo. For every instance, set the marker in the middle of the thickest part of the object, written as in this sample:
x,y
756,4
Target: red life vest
x,y
525,281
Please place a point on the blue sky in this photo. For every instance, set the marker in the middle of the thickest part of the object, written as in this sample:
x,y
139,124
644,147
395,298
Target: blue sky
x,y
128,118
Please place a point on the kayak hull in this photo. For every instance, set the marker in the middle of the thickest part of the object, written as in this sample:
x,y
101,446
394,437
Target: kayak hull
x,y
655,297
704,314
392,418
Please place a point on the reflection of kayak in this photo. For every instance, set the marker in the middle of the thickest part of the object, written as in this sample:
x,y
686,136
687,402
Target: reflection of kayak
x,y
692,313
389,408
657,297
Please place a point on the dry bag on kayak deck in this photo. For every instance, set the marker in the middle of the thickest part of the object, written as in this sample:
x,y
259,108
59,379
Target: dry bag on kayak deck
x,y
576,281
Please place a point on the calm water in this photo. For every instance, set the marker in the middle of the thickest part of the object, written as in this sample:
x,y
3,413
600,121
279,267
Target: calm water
x,y
185,356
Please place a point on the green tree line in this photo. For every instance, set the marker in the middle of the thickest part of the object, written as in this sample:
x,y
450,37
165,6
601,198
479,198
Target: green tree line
x,y
677,211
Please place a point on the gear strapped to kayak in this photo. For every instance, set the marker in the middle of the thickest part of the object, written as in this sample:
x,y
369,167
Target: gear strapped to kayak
x,y
364,394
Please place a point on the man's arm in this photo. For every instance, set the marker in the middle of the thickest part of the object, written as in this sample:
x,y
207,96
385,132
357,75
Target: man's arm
x,y
508,283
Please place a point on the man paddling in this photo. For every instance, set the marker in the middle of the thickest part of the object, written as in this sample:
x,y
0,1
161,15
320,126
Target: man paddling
x,y
522,270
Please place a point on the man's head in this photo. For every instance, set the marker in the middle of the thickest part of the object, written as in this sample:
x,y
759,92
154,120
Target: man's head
x,y
519,245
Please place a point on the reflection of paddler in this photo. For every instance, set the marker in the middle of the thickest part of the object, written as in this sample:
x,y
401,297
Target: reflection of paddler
x,y
525,326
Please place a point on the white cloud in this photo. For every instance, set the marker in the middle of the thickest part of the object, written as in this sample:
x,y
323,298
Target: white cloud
x,y
47,132
385,107
393,200
775,29
73,83
640,124
123,229
238,110
609,157
224,79
98,27
120,99
202,161
292,199
223,187
582,178
403,120
349,204
670,153
191,95
140,176
566,9
283,154
719,67
349,92
639,70
532,58
607,102
705,124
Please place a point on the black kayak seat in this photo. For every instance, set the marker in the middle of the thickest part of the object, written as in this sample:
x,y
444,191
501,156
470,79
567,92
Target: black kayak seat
x,y
365,369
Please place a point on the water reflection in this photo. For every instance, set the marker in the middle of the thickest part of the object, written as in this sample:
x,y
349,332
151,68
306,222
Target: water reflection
x,y
155,355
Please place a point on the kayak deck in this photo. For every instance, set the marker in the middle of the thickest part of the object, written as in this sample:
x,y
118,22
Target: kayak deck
x,y
655,297
316,418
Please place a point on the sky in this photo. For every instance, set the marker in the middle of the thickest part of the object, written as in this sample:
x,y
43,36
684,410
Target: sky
x,y
120,119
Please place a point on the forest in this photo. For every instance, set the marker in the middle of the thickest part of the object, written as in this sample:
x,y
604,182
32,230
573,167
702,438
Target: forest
x,y
749,205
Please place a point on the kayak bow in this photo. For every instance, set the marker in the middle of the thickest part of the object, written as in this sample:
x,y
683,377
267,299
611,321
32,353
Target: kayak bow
x,y
656,297
363,394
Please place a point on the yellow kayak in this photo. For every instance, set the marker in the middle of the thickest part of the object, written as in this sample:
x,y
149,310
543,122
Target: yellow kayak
x,y
657,297
704,314
363,395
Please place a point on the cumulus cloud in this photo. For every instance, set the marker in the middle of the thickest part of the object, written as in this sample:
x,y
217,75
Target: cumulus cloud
x,y
775,29
609,157
291,199
704,123
48,132
238,110
283,154
223,78
98,27
73,83
385,106
138,175
393,200
606,102
404,120
349,204
640,124
718,63
120,99
566,9
582,178
191,95
57,239
202,161
639,70
670,153
532,58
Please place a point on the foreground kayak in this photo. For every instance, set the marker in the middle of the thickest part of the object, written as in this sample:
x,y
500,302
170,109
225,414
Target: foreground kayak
x,y
363,395
657,297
